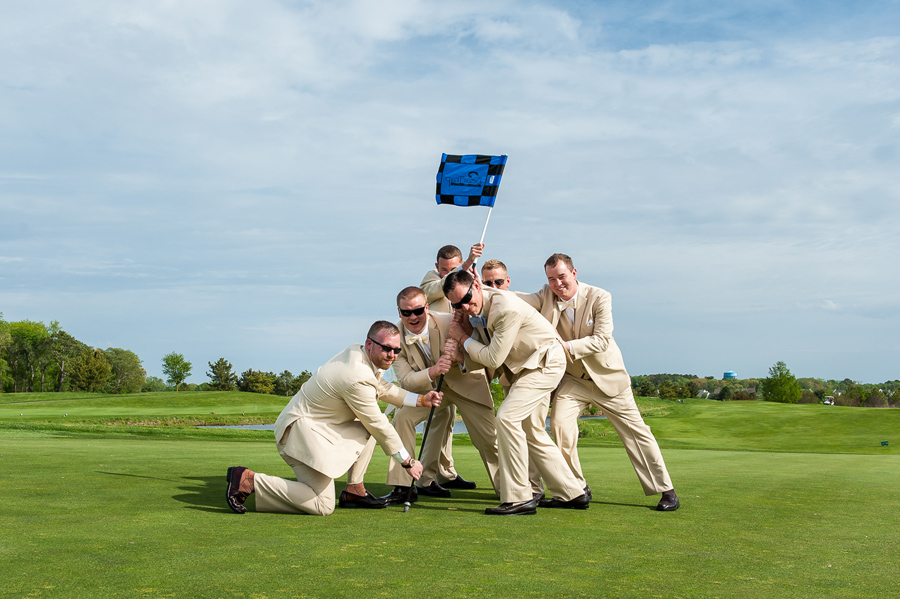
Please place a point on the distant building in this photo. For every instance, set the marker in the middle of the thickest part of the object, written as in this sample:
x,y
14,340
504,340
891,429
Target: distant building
x,y
729,374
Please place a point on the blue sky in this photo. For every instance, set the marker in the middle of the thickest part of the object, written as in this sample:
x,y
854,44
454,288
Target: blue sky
x,y
255,180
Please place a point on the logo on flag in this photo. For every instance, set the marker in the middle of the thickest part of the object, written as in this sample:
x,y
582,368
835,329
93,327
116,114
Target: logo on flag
x,y
469,180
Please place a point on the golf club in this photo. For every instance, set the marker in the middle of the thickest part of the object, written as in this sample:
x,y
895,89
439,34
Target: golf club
x,y
407,503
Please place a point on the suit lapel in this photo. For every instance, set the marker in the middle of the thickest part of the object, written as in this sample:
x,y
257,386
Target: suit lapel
x,y
434,340
580,310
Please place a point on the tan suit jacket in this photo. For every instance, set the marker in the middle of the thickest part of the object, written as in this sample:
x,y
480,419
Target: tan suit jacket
x,y
336,410
432,285
520,338
593,344
411,366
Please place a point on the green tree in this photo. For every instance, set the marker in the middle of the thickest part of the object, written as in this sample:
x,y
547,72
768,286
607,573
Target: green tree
x,y
176,368
257,381
153,383
89,370
221,377
780,386
63,348
27,353
4,365
647,389
127,374
726,393
668,390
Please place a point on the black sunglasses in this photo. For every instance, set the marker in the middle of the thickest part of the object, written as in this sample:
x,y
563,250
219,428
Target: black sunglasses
x,y
494,282
387,348
416,311
465,299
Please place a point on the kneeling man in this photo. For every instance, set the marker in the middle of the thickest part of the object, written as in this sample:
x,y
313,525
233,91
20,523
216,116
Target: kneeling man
x,y
328,428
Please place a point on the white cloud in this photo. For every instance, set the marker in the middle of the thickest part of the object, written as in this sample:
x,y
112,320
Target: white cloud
x,y
713,167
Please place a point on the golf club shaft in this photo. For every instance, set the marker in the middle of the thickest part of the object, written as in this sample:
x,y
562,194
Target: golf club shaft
x,y
424,436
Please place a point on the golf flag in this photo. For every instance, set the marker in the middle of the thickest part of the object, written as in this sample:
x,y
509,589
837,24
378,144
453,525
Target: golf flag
x,y
469,180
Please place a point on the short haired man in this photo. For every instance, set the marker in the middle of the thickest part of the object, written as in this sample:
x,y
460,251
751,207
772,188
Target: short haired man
x,y
328,428
427,353
513,336
449,259
595,374
494,274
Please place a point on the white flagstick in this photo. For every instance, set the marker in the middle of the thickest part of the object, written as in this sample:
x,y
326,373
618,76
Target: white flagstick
x,y
483,231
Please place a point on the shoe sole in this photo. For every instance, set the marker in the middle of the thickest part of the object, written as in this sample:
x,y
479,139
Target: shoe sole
x,y
355,505
525,513
229,499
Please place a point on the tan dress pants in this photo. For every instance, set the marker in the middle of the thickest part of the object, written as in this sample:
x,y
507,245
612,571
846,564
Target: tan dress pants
x,y
522,436
312,493
574,396
479,420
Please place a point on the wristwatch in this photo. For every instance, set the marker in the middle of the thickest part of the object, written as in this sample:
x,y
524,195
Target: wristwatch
x,y
411,463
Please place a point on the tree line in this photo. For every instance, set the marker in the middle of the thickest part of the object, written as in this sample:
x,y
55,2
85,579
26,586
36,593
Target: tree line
x,y
780,386
35,357
39,358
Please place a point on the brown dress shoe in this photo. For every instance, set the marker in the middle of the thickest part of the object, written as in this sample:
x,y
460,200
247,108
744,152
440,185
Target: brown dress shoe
x,y
367,501
669,502
239,488
579,503
526,508
459,483
399,495
434,490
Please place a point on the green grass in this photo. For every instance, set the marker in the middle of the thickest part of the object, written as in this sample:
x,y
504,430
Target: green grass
x,y
94,510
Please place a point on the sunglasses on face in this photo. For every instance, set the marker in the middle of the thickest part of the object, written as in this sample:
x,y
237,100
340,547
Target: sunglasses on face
x,y
465,299
494,282
416,311
387,348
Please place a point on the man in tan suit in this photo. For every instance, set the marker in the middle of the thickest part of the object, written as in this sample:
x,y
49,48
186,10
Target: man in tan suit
x,y
427,354
495,275
449,259
513,336
595,373
329,428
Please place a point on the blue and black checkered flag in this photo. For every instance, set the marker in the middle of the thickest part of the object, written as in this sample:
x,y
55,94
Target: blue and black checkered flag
x,y
469,180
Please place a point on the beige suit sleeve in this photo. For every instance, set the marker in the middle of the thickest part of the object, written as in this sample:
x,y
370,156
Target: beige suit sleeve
x,y
598,341
532,299
362,398
416,381
432,285
505,329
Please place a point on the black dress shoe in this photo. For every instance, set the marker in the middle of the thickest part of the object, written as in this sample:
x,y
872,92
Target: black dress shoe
x,y
434,490
579,503
400,495
459,483
668,503
526,508
233,495
587,491
367,501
